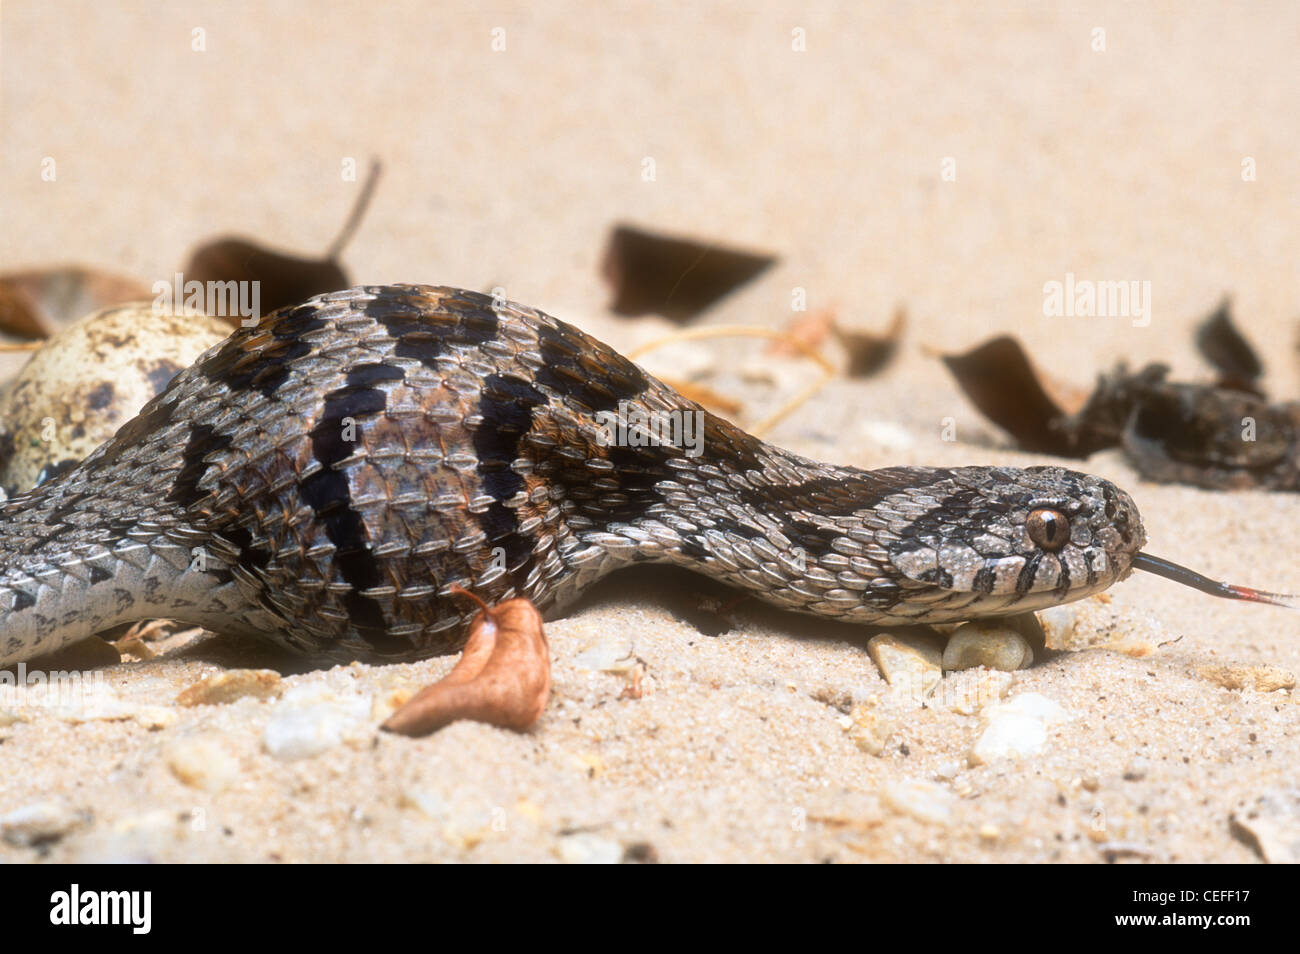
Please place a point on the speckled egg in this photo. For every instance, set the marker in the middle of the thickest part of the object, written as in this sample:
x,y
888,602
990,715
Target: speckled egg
x,y
89,380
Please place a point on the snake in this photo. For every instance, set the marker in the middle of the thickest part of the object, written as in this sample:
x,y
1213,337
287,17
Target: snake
x,y
329,478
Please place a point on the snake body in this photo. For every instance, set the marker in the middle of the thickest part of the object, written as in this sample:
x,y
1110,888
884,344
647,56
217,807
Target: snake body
x,y
325,478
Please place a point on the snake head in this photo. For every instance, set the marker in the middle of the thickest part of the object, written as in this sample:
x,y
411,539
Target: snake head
x,y
995,540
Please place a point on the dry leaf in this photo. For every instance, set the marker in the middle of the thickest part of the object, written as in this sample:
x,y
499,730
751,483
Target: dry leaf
x,y
503,676
284,279
674,277
1003,383
868,351
38,302
1221,344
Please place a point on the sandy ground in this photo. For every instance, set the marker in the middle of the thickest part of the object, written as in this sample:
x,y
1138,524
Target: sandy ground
x,y
506,169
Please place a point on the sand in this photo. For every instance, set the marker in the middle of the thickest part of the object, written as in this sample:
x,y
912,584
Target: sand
x,y
507,169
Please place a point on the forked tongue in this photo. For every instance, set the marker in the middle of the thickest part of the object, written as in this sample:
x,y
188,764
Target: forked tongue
x,y
1180,574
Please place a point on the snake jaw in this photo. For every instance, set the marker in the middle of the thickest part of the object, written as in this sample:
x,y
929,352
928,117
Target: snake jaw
x,y
1230,591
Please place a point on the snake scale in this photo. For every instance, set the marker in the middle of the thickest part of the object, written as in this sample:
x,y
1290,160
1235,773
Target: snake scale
x,y
325,478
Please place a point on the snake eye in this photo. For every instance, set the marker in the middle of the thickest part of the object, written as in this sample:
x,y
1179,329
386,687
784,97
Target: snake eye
x,y
1048,529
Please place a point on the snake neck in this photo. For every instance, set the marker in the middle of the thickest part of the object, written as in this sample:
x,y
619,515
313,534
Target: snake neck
x,y
99,546
795,532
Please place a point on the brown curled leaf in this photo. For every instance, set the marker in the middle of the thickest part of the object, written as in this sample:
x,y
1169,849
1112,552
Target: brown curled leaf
x,y
868,351
38,302
674,277
284,279
1221,344
503,677
1003,383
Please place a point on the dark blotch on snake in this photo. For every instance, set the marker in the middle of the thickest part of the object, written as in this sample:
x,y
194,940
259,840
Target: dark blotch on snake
x,y
327,492
203,440
1027,573
985,579
507,407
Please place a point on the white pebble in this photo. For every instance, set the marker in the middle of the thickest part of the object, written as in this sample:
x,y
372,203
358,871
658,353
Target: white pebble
x,y
141,839
924,801
311,719
911,662
994,644
202,763
38,822
610,651
585,848
1271,825
1058,624
1016,728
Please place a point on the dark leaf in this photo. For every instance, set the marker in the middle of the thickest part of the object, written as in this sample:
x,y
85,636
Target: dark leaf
x,y
38,302
674,277
285,279
1000,380
868,351
1221,344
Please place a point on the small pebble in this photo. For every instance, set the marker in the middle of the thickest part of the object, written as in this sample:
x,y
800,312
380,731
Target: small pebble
x,y
202,763
993,643
1259,678
924,801
888,435
1016,728
11,715
911,662
225,687
1271,825
584,848
100,705
869,727
1137,769
312,719
38,823
640,853
430,804
611,651
1058,623
140,839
